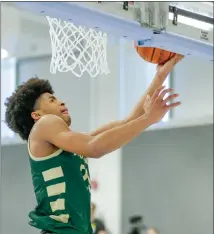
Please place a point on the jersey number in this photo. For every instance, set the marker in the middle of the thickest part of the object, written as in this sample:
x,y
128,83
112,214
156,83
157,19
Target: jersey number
x,y
86,175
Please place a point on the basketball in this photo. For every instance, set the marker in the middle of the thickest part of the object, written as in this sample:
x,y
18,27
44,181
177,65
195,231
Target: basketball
x,y
154,55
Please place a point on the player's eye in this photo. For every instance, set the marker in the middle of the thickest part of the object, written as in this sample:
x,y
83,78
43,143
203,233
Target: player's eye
x,y
52,99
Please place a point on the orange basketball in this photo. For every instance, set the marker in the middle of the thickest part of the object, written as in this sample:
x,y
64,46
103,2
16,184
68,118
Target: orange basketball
x,y
154,55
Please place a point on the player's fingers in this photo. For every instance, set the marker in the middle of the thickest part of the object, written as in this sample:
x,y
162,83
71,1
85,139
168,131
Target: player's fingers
x,y
178,56
170,98
171,62
172,105
175,59
164,92
157,92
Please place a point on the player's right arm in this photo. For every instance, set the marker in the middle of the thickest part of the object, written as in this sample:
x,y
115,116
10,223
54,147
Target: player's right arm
x,y
54,130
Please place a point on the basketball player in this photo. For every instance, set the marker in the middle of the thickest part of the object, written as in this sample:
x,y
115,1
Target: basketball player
x,y
58,155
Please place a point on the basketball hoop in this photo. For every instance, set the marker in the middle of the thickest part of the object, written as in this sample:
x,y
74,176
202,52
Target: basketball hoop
x,y
152,14
77,49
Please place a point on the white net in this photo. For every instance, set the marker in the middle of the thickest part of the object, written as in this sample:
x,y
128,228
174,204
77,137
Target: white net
x,y
77,49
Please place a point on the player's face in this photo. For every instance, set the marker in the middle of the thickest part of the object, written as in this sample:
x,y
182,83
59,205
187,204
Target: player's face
x,y
49,104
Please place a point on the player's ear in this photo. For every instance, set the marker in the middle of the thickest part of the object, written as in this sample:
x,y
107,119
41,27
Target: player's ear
x,y
35,115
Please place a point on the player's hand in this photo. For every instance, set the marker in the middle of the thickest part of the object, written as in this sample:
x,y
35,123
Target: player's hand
x,y
157,106
166,68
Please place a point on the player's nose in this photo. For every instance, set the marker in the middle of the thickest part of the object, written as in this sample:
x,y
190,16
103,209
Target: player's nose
x,y
61,103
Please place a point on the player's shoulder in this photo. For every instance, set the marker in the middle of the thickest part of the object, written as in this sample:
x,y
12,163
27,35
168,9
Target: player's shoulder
x,y
50,122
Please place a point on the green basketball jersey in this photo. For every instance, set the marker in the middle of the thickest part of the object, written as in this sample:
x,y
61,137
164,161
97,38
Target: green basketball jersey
x,y
62,187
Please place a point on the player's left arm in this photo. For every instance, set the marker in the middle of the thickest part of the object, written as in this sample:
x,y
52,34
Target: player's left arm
x,y
160,77
107,127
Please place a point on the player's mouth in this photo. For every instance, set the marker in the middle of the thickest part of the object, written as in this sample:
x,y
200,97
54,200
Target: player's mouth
x,y
64,111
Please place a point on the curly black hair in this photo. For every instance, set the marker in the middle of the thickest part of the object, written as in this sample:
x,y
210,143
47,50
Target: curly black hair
x,y
22,102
